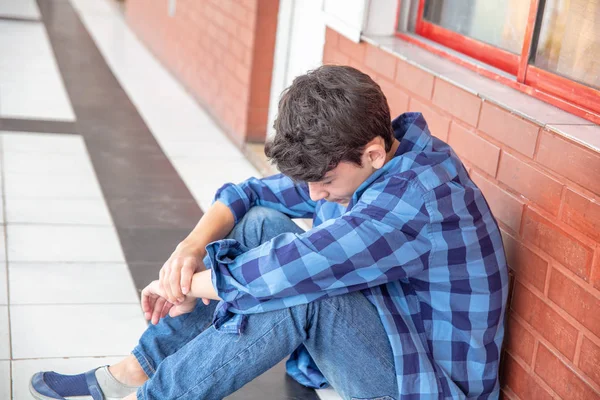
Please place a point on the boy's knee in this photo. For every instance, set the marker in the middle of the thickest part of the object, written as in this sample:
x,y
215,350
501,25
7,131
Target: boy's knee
x,y
259,214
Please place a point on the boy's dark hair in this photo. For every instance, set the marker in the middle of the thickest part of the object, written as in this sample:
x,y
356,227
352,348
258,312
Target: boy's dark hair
x,y
325,117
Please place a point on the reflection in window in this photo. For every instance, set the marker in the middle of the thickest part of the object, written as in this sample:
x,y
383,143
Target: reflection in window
x,y
500,23
569,42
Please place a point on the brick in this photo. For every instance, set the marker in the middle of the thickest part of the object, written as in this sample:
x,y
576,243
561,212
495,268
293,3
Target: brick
x,y
561,378
364,69
530,182
580,165
575,300
331,37
547,322
245,35
352,49
463,105
582,214
521,382
335,57
396,98
438,123
528,266
381,62
505,207
589,361
596,270
475,149
559,245
509,129
414,80
519,341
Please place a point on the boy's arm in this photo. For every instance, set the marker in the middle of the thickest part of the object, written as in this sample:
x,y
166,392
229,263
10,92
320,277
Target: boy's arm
x,y
231,203
176,274
277,192
382,239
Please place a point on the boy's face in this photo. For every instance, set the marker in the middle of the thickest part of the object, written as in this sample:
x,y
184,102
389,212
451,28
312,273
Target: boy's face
x,y
340,183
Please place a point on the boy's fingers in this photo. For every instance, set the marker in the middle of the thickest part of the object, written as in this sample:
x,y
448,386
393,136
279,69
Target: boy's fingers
x,y
187,272
166,284
165,309
158,306
175,284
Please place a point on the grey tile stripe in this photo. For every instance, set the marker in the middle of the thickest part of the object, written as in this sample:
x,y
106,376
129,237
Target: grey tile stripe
x,y
150,205
36,125
17,19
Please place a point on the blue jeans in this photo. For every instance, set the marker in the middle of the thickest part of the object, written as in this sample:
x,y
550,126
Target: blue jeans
x,y
187,358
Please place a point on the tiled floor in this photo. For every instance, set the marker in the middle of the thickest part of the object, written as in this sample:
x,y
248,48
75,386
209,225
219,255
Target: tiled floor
x,y
100,178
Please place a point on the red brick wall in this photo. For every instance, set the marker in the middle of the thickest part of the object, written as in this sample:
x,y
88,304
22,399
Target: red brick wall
x,y
544,191
221,50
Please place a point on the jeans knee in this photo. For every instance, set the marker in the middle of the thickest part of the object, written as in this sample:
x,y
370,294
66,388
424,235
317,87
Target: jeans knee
x,y
260,214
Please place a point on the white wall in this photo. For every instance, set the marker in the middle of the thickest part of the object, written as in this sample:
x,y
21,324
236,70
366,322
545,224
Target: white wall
x,y
301,35
298,48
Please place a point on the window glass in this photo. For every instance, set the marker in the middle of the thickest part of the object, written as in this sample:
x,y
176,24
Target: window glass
x,y
500,23
569,42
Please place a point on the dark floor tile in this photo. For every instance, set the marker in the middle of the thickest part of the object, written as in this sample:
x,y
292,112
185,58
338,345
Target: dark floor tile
x,y
274,384
150,244
149,213
110,163
157,187
144,272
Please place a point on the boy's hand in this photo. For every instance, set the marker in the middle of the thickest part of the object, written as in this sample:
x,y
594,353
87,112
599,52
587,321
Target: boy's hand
x,y
156,306
176,274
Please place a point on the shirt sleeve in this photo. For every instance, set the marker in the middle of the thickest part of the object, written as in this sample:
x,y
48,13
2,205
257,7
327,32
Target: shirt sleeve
x,y
383,238
278,192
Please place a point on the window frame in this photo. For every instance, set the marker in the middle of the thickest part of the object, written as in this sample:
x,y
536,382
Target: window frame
x,y
560,91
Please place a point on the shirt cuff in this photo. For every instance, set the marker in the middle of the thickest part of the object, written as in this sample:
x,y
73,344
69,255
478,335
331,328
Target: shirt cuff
x,y
219,255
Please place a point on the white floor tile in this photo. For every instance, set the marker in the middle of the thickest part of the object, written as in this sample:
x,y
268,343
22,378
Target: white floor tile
x,y
49,164
2,246
38,186
50,143
203,178
3,283
36,99
5,389
1,203
328,394
23,370
4,336
19,8
46,331
55,243
52,283
57,211
30,82
216,148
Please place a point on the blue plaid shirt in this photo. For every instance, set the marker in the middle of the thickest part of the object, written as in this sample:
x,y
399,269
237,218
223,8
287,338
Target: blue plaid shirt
x,y
418,239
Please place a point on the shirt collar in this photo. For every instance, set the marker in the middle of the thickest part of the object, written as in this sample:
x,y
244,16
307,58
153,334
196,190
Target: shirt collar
x,y
412,131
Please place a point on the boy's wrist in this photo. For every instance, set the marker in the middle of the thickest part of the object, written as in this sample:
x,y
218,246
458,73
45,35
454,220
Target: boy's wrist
x,y
194,246
202,286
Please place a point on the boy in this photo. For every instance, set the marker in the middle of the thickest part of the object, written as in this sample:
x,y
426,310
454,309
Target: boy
x,y
398,291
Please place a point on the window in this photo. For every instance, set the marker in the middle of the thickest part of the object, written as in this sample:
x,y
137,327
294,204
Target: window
x,y
547,48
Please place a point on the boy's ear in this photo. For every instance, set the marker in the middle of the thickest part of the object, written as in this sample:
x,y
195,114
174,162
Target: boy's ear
x,y
375,154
